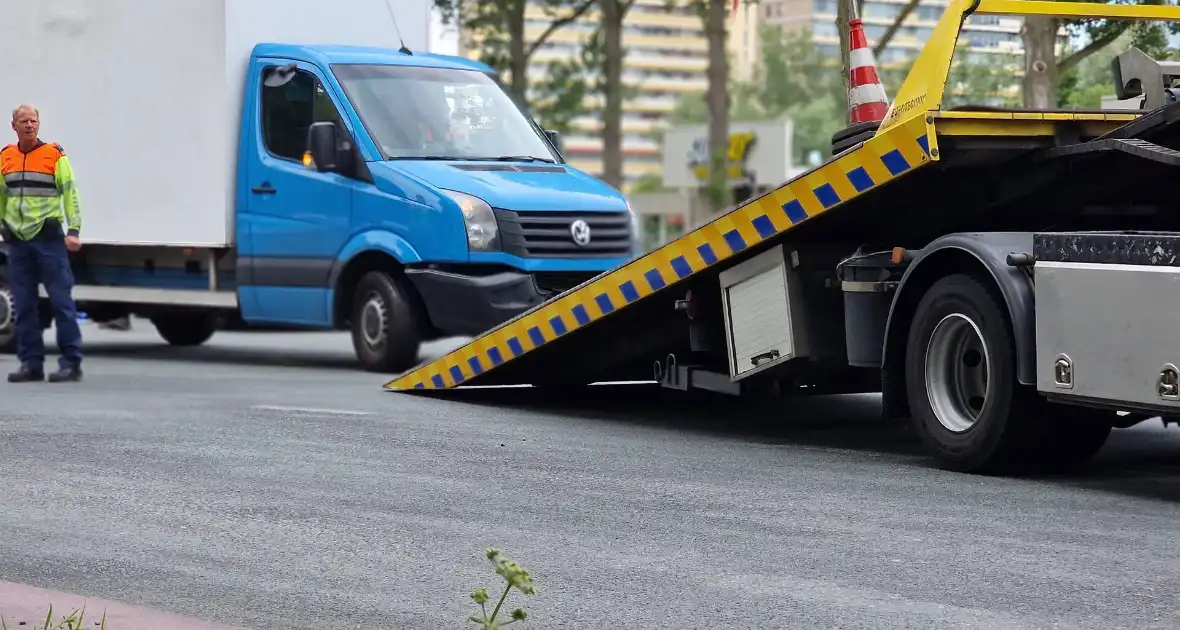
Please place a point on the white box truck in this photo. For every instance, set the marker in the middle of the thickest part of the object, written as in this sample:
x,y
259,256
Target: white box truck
x,y
295,163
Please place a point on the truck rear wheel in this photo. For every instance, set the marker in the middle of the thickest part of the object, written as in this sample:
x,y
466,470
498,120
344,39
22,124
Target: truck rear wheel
x,y
386,334
965,402
185,329
7,319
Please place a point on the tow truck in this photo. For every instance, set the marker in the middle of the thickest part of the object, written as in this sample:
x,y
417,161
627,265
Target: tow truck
x,y
1007,279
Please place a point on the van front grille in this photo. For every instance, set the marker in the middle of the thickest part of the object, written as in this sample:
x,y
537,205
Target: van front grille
x,y
549,234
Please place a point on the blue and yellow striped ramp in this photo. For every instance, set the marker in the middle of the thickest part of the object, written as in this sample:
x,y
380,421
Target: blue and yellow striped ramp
x,y
880,160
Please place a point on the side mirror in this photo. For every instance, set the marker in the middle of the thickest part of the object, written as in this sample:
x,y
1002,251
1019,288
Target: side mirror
x,y
320,153
555,140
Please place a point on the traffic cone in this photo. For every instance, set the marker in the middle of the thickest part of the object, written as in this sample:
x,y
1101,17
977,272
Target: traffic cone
x,y
867,101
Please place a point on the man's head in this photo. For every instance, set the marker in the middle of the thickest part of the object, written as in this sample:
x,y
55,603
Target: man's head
x,y
26,122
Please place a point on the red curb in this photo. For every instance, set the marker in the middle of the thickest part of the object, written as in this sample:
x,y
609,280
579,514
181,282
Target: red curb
x,y
29,604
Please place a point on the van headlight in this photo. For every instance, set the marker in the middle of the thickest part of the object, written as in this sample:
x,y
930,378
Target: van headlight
x,y
483,234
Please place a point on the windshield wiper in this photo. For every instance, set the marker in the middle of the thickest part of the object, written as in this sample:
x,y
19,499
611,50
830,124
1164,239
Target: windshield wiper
x,y
520,158
438,158
455,158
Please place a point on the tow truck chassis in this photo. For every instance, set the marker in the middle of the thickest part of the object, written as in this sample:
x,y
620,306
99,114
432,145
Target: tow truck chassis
x,y
1006,278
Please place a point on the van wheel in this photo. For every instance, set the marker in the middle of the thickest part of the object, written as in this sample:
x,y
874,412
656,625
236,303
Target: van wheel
x,y
965,402
386,333
185,329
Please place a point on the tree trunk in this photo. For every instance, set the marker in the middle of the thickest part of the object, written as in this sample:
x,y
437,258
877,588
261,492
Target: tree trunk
x,y
518,57
843,15
612,112
1039,36
718,101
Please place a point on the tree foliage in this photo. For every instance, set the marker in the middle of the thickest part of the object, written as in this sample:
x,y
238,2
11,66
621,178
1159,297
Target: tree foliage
x,y
1044,67
795,80
498,28
1084,85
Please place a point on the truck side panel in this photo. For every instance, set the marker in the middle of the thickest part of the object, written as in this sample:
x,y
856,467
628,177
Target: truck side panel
x,y
139,106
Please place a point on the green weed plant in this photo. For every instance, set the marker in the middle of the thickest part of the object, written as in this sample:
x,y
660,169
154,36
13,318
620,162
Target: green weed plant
x,y
73,621
515,577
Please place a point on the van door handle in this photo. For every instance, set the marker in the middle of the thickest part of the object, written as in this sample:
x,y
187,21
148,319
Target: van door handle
x,y
264,189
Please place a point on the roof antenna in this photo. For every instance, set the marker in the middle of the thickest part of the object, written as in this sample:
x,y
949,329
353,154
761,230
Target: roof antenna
x,y
404,49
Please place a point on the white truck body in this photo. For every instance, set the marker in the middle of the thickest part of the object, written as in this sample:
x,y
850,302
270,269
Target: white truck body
x,y
145,97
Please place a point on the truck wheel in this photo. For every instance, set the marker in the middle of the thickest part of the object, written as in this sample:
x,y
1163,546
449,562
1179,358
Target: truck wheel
x,y
965,402
385,330
185,329
7,319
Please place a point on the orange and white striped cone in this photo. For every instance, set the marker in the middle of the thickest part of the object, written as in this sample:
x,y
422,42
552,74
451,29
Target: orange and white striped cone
x,y
867,101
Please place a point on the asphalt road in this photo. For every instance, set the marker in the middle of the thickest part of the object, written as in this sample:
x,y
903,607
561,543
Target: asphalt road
x,y
261,481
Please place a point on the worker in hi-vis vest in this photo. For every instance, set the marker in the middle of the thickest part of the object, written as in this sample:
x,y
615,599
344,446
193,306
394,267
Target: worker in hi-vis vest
x,y
41,224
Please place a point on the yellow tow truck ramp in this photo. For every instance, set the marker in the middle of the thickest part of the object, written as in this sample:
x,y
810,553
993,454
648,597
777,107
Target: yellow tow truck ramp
x,y
880,161
831,281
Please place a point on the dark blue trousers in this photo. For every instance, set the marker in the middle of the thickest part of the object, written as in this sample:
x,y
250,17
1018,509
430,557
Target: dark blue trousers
x,y
43,260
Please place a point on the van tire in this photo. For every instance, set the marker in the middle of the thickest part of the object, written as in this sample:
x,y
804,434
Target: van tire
x,y
386,332
185,329
960,330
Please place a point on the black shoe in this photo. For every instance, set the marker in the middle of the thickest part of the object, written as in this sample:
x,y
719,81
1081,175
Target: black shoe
x,y
66,375
26,375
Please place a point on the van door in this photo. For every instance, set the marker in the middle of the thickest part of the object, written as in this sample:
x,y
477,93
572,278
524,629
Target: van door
x,y
294,219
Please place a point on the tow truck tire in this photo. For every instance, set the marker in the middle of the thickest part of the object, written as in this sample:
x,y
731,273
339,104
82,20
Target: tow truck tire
x,y
185,329
966,405
386,334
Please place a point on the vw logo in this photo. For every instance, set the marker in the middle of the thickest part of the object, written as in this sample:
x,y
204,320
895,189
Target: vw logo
x,y
580,231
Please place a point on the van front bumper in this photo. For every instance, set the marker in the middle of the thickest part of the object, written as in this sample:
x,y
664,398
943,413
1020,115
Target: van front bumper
x,y
463,305
468,305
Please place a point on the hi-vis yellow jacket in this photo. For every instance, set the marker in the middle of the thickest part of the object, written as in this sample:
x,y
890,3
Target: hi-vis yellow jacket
x,y
36,186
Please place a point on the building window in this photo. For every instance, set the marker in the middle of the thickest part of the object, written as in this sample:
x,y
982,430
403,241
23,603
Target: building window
x,y
825,6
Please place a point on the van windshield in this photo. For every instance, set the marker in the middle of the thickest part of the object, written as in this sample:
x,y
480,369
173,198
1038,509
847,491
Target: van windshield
x,y
440,113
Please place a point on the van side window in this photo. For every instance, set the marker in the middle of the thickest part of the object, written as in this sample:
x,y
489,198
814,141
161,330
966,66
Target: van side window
x,y
289,110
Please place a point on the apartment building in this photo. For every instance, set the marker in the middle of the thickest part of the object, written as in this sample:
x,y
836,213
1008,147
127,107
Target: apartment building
x,y
983,34
666,58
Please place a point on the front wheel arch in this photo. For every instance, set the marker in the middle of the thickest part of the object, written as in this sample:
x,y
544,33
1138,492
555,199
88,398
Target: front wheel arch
x,y
982,255
346,281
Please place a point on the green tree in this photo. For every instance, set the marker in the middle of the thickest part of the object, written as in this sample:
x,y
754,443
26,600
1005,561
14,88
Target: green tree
x,y
980,79
713,14
1084,85
1043,67
793,80
560,95
498,26
612,89
796,81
